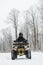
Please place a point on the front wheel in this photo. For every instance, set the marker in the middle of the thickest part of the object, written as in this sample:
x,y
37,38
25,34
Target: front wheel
x,y
28,54
13,54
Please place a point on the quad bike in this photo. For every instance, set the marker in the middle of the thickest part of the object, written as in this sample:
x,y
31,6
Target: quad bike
x,y
20,48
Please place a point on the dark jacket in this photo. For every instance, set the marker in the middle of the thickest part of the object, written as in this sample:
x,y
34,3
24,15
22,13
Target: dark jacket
x,y
20,39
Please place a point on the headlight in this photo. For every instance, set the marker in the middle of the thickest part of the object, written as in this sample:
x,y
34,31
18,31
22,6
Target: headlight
x,y
25,46
15,47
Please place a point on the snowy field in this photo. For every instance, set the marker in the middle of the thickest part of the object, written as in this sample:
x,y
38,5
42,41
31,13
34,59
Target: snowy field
x,y
37,59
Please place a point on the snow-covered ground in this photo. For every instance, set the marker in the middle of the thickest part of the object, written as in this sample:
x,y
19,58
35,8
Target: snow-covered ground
x,y
37,59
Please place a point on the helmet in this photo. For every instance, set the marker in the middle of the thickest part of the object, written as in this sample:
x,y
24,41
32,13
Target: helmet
x,y
20,34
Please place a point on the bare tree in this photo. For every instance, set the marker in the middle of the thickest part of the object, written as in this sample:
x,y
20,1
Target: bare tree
x,y
13,18
31,21
7,40
40,9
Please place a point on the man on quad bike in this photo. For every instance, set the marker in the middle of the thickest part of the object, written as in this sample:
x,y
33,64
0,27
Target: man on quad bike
x,y
20,38
20,47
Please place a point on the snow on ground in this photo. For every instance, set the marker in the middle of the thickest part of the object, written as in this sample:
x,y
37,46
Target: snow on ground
x,y
37,59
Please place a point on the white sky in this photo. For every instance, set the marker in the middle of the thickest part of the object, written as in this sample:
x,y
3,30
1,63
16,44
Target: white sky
x,y
7,5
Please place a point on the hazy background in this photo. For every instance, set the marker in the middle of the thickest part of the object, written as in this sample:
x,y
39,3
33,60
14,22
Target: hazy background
x,y
24,16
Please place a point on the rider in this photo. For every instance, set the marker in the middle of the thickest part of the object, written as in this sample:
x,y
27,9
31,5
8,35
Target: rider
x,y
20,38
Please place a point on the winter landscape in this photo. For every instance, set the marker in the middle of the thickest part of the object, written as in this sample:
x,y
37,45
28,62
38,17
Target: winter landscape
x,y
37,59
24,16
